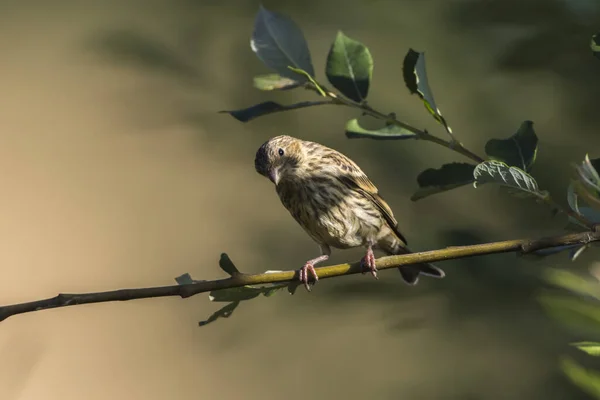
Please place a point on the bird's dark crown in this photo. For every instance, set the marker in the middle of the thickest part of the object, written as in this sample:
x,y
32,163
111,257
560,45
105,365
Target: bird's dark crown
x,y
268,156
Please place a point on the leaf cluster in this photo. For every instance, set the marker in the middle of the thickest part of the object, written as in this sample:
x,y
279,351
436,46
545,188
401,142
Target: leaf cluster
x,y
280,44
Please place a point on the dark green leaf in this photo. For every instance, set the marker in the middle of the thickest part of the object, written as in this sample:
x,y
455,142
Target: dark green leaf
x,y
586,380
227,265
415,78
519,150
269,107
349,67
389,132
448,177
274,82
512,177
224,312
280,43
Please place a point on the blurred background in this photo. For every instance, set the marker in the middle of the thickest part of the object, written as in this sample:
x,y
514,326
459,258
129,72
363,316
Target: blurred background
x,y
119,172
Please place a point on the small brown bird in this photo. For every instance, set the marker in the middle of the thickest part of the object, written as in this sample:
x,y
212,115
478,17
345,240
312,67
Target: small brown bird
x,y
335,202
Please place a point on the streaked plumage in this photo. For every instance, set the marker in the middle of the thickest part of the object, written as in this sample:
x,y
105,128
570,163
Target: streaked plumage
x,y
335,202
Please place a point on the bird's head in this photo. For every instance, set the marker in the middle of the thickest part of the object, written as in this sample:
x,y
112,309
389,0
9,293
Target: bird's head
x,y
279,157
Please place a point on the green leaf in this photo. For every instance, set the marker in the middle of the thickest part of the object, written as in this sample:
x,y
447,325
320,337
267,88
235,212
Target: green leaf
x,y
415,78
279,43
586,380
274,82
519,150
576,313
595,45
591,348
448,177
224,312
269,107
573,282
349,67
389,132
244,292
512,177
227,265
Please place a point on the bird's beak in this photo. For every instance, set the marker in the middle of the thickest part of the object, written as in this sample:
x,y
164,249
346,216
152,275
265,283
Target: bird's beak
x,y
274,175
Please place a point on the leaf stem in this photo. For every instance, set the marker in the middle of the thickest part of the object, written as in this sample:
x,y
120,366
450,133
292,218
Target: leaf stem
x,y
421,134
424,135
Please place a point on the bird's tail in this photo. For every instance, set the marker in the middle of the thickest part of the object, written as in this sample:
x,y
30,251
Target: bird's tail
x,y
410,273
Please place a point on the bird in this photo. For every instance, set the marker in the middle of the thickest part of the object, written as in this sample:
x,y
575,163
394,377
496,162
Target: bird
x,y
336,203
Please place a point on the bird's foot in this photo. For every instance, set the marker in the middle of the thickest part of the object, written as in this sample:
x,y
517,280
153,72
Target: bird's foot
x,y
368,262
304,278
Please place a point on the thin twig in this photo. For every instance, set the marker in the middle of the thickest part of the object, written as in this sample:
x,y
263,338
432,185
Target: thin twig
x,y
424,135
523,246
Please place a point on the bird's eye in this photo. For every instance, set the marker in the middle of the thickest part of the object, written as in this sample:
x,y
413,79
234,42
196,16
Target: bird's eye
x,y
281,152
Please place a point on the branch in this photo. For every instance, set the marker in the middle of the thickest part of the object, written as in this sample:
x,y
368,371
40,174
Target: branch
x,y
424,135
421,134
237,279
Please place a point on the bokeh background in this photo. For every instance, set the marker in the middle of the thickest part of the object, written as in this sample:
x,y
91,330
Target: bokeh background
x,y
117,171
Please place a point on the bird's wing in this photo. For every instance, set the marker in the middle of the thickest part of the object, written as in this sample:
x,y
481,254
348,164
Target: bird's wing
x,y
357,180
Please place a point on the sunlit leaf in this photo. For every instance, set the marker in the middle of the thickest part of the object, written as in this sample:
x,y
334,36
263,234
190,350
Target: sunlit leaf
x,y
573,282
223,312
595,45
448,177
269,107
577,313
586,380
274,82
519,150
389,132
512,177
349,67
280,43
415,78
591,348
